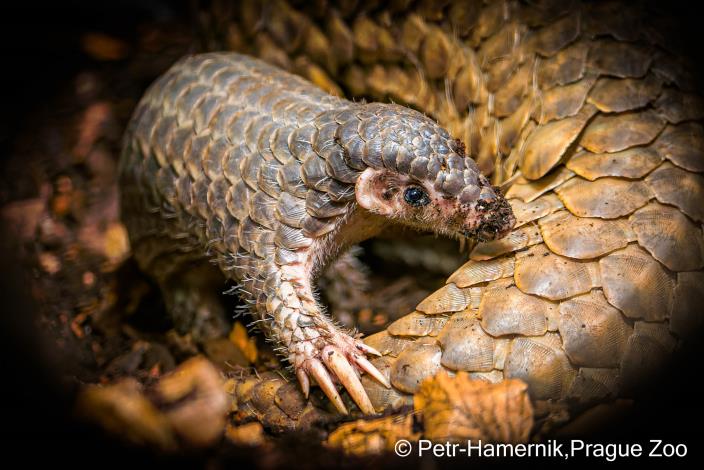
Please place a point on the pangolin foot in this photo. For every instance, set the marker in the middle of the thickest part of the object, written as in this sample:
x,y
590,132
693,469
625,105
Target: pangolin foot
x,y
338,358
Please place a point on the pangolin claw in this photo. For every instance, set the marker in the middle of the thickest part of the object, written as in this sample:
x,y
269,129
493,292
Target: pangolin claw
x,y
342,363
304,381
369,368
321,375
340,366
367,349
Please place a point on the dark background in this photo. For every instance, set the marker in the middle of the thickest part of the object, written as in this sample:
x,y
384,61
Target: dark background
x,y
40,52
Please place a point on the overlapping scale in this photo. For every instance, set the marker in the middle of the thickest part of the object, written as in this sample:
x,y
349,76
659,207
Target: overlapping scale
x,y
637,284
564,101
448,298
477,272
680,188
543,273
519,238
505,310
649,344
683,145
420,359
387,344
526,212
594,384
632,163
613,95
583,237
542,364
670,236
612,133
465,345
528,191
676,106
546,146
593,331
417,324
607,198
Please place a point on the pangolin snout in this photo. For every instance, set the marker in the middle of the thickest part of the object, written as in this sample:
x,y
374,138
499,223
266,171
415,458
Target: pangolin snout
x,y
495,214
499,220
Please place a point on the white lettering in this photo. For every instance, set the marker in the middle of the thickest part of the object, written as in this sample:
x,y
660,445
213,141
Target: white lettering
x,y
668,450
477,447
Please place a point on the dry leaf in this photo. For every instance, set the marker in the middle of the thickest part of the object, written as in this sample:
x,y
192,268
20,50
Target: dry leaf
x,y
372,437
460,408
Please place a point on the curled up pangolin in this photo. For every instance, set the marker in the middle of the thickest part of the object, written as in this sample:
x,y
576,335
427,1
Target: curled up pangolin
x,y
232,160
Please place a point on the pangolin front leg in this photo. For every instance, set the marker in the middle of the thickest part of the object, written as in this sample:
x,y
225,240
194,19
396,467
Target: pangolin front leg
x,y
316,347
259,171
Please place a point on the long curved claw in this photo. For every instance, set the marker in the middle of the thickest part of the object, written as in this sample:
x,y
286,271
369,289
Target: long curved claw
x,y
346,374
320,374
304,381
369,368
367,349
338,360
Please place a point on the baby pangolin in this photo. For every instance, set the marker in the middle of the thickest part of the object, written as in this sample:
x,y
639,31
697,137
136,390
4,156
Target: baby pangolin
x,y
229,159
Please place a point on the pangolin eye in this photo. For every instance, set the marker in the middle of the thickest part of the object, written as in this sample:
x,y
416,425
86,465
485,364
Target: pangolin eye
x,y
416,196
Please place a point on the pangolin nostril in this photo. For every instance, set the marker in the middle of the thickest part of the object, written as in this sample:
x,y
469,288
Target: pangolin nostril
x,y
486,204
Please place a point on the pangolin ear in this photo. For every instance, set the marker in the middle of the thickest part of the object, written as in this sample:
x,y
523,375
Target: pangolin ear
x,y
369,191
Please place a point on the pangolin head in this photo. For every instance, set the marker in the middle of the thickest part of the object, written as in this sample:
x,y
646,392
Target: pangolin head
x,y
417,174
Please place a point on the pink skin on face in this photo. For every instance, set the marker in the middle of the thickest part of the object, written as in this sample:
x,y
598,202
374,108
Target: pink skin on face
x,y
486,216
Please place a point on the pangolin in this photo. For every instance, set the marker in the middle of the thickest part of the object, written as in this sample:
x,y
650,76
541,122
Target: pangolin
x,y
232,160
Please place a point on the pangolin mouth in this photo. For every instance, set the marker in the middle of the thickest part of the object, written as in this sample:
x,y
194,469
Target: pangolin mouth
x,y
484,234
